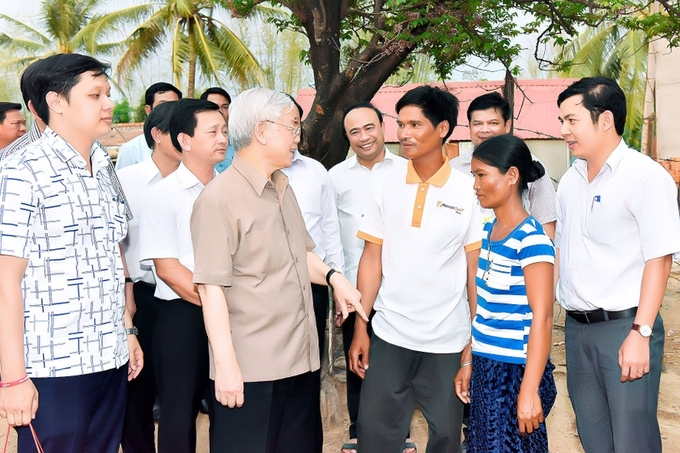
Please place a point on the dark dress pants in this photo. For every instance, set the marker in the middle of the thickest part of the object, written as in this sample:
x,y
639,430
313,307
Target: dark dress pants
x,y
180,356
320,299
276,417
139,427
79,414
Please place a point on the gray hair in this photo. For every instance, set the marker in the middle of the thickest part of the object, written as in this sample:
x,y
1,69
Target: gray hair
x,y
251,107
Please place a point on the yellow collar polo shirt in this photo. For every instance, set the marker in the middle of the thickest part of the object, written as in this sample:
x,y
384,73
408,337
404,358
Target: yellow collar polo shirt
x,y
425,229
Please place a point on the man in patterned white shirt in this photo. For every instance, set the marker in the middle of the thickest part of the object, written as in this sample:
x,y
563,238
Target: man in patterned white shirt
x,y
64,330
488,116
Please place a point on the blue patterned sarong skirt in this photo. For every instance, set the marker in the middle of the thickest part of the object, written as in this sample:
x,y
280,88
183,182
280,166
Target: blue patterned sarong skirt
x,y
493,426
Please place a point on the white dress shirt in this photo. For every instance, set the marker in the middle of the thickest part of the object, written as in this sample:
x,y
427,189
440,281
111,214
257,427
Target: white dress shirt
x,y
137,181
133,152
350,183
164,224
609,227
68,224
314,191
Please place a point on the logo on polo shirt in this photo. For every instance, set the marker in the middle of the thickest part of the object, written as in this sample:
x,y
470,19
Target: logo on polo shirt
x,y
441,204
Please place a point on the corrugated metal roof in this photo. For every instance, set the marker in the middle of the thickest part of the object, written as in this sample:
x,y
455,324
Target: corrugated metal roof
x,y
536,109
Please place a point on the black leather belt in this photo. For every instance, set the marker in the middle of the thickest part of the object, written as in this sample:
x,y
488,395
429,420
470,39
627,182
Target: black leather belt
x,y
600,315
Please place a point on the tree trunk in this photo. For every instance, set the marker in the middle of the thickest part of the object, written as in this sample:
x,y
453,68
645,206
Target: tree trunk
x,y
335,89
191,79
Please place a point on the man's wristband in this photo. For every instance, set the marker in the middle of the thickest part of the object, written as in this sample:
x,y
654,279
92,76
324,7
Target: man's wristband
x,y
468,363
128,280
328,276
4,385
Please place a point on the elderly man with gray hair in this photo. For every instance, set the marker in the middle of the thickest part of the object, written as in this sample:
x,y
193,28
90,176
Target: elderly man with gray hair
x,y
253,269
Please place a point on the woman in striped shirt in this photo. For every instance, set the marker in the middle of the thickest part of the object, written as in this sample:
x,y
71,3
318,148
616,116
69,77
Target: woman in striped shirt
x,y
509,385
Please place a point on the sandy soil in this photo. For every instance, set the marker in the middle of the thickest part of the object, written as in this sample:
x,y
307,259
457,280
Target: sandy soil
x,y
561,425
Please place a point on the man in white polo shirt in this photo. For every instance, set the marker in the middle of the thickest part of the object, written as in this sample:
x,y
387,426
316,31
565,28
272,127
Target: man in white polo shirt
x,y
363,125
422,232
617,229
180,344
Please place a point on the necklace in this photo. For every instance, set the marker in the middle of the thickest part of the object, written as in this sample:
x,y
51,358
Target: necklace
x,y
489,260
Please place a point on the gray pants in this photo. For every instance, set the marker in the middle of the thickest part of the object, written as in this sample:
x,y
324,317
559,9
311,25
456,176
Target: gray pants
x,y
396,380
612,416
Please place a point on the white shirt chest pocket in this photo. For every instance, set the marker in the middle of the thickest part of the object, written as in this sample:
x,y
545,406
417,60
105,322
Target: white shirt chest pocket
x,y
443,227
606,220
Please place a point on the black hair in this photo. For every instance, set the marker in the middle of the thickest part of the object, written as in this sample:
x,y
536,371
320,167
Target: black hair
x,y
6,107
160,119
159,87
505,151
183,118
599,94
437,105
59,73
490,101
215,90
362,105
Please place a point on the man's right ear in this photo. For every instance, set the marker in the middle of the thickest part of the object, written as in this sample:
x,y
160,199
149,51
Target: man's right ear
x,y
54,102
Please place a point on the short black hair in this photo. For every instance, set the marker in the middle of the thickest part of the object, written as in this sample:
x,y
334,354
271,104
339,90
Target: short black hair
x,y
160,119
490,101
60,73
505,151
437,105
6,107
215,90
599,94
159,87
361,105
183,118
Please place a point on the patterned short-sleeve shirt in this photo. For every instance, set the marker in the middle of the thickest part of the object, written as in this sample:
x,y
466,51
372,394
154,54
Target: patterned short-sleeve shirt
x,y
68,224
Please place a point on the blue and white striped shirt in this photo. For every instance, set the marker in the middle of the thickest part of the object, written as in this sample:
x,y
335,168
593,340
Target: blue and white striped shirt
x,y
500,330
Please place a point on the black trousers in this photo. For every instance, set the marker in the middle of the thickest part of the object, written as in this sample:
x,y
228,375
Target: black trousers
x,y
78,413
138,428
353,381
276,417
180,356
320,299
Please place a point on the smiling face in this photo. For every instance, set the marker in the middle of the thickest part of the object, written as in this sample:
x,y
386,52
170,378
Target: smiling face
x,y
209,143
492,187
88,109
584,138
485,124
417,135
366,135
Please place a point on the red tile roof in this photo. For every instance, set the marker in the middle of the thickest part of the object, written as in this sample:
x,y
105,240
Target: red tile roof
x,y
535,105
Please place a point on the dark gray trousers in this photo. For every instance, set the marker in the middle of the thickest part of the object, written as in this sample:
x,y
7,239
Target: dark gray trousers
x,y
396,380
612,416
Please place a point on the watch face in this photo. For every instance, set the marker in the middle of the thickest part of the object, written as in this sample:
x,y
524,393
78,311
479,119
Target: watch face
x,y
645,330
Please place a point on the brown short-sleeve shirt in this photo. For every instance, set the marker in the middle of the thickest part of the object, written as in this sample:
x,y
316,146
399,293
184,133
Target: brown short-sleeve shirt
x,y
249,237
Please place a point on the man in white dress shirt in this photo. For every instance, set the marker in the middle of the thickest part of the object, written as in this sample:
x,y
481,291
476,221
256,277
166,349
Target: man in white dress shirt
x,y
180,345
617,230
363,124
137,181
137,150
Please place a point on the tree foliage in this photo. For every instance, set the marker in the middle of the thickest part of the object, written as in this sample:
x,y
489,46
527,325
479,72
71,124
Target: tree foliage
x,y
198,40
355,45
612,51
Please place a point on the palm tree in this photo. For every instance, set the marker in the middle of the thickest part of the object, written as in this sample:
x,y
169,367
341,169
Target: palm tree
x,y
198,39
68,26
618,53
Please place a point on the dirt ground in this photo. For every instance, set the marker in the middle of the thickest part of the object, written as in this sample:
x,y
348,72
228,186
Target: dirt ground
x,y
561,425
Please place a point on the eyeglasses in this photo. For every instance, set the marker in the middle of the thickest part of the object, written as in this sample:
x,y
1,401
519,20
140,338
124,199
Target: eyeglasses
x,y
294,130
